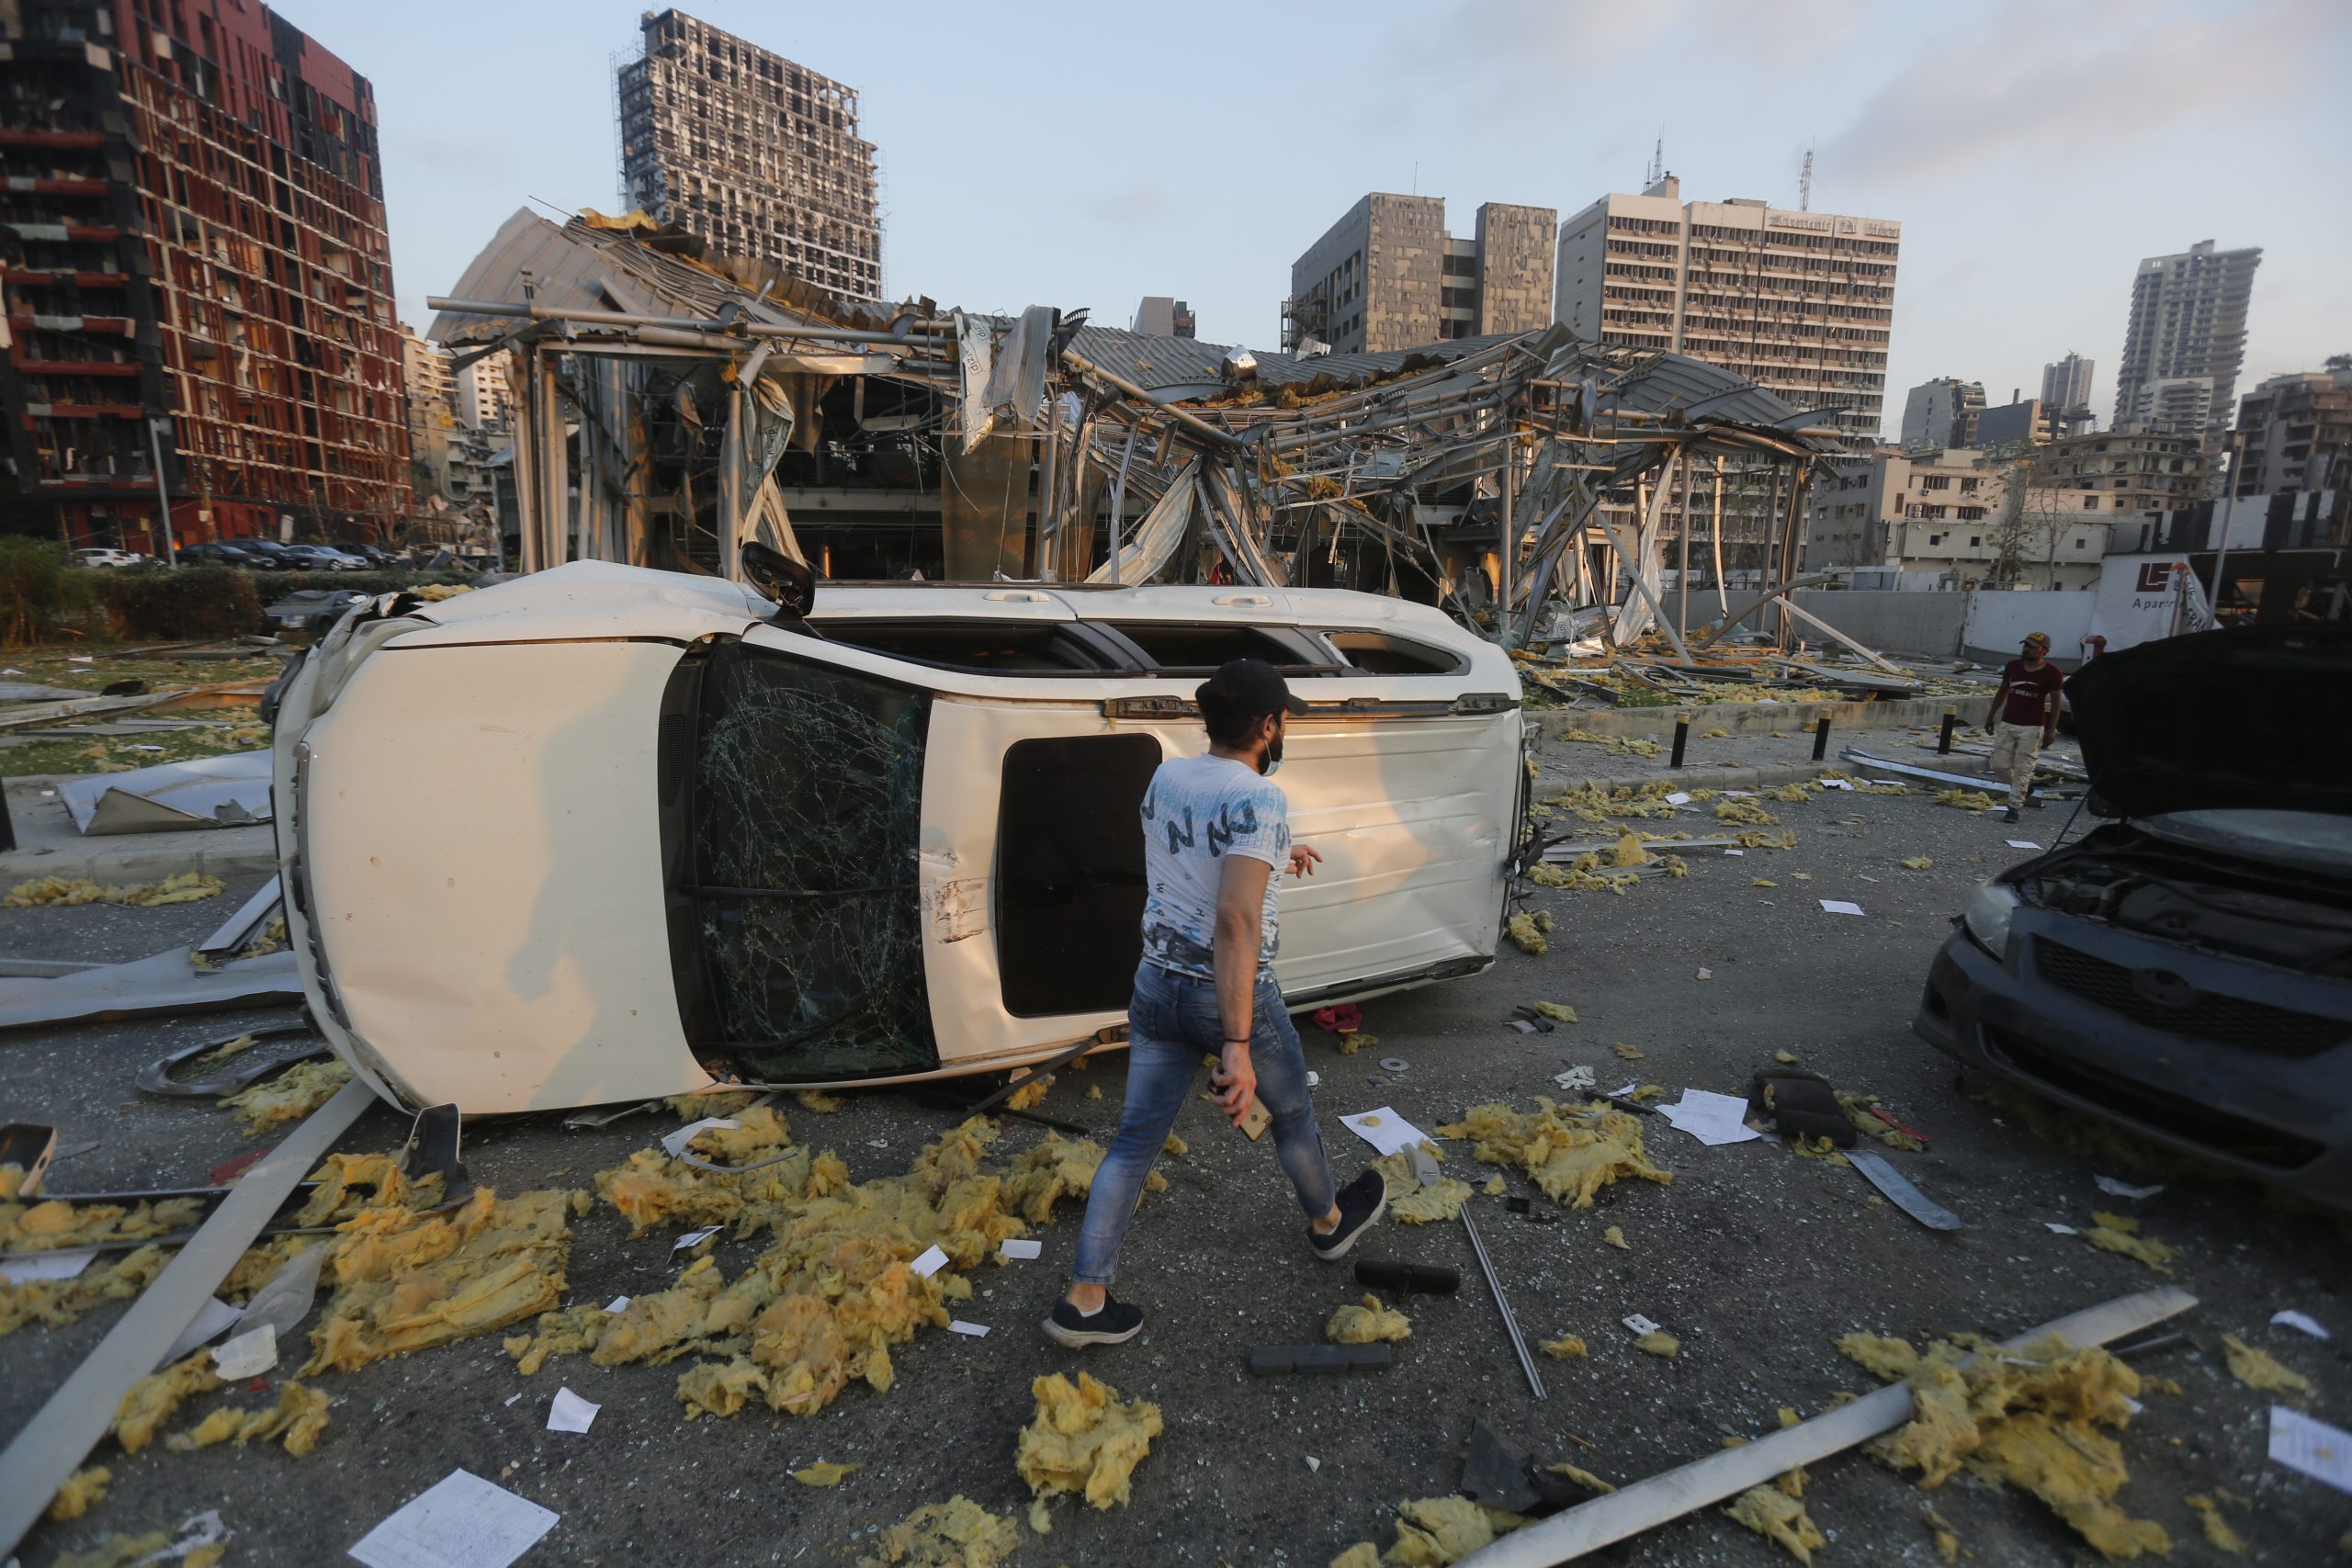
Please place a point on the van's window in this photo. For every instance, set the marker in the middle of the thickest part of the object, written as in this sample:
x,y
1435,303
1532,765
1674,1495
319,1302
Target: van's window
x,y
1188,646
994,647
1385,653
808,810
1070,871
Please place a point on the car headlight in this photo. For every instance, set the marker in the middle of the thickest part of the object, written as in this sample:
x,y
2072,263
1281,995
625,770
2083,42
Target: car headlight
x,y
1986,916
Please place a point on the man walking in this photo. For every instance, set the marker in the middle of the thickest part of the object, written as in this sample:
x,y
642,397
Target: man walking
x,y
2024,716
1217,840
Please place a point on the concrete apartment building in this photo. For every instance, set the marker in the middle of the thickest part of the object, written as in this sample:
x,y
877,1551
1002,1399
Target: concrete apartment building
x,y
480,395
1960,515
2021,422
192,233
757,155
1163,315
1390,275
1940,413
432,417
2187,323
2132,472
2294,432
2068,384
1799,303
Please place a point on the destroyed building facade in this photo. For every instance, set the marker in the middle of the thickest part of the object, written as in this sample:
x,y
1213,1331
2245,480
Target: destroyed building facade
x,y
759,154
2184,340
193,232
1389,276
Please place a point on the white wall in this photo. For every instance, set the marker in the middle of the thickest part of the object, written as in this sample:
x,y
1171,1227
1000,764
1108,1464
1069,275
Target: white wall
x,y
1998,622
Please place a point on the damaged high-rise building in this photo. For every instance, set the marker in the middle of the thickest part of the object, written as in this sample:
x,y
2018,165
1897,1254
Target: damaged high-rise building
x,y
193,252
1389,276
757,155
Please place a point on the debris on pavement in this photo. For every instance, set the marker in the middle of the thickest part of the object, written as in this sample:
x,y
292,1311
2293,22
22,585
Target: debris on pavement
x,y
1559,1011
1779,1518
2031,1419
1583,1478
2300,1322
298,1419
1572,1152
83,1491
186,887
1367,1324
1964,799
1433,1532
2118,1234
1616,1237
1527,932
1084,1439
2218,1533
461,1521
2261,1371
1565,1347
824,1472
1658,1342
2310,1447
288,1097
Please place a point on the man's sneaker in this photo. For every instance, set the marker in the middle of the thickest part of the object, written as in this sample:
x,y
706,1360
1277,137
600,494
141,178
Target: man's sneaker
x,y
1115,1324
2010,815
1361,1201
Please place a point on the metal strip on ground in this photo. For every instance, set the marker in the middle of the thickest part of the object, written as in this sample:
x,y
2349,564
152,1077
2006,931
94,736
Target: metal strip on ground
x,y
1900,1192
1646,1504
54,1443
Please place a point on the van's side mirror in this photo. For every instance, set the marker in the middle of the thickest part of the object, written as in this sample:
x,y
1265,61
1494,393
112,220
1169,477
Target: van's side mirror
x,y
791,584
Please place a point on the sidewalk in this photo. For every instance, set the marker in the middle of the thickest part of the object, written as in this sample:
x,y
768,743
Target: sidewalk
x,y
48,845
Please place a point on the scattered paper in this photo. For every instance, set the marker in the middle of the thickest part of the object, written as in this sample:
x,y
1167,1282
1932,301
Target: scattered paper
x,y
1313,1078
676,1143
2293,1319
976,1330
79,658
2319,1451
66,1263
212,1319
1706,974
2062,1230
1631,1085
461,1521
1710,1118
570,1413
2125,1189
694,1238
1833,784
1017,1247
1385,1130
2022,844
1740,794
1735,853
1898,784
931,1261
1680,797
617,1303
249,1355
1639,1323
1313,1464
1839,907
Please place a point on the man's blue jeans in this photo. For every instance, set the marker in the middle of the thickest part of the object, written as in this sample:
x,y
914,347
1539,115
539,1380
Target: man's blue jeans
x,y
1172,1024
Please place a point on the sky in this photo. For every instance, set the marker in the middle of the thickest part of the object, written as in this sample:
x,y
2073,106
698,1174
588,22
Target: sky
x,y
2034,151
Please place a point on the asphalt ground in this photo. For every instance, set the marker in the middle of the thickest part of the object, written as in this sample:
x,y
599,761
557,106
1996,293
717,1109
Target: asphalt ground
x,y
1756,1259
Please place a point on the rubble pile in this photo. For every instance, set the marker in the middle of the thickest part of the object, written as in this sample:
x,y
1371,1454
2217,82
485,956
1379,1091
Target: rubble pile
x,y
1085,1439
1433,1532
1571,1153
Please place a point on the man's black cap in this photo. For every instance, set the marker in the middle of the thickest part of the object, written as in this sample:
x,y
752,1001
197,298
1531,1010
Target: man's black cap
x,y
1247,689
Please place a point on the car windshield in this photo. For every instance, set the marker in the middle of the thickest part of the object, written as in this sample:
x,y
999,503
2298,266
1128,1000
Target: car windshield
x,y
807,810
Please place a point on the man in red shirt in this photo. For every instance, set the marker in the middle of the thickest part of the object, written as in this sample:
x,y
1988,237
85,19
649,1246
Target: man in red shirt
x,y
2024,716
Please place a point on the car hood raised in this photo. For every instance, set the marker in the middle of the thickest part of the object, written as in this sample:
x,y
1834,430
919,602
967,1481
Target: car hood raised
x,y
2244,719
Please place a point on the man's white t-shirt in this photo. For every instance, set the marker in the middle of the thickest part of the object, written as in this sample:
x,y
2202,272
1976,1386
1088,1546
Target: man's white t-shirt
x,y
1198,811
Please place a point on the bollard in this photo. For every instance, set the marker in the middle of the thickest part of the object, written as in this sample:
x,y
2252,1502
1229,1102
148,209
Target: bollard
x,y
1682,737
7,825
1943,746
1821,738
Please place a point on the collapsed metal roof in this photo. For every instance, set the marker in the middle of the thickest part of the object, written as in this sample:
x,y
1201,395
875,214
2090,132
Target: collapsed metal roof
x,y
1502,476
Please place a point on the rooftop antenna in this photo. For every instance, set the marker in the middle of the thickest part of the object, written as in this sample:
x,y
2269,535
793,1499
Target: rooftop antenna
x,y
1805,183
1657,162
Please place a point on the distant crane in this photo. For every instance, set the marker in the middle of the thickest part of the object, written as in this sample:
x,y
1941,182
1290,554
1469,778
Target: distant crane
x,y
1805,184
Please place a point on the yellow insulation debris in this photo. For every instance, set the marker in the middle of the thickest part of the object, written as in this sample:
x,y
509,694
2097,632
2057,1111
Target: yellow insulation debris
x,y
1918,862
1583,1478
287,1096
1572,1154
1660,1344
2109,1236
957,1533
184,889
1364,1325
1413,1203
297,1419
817,1100
1172,1144
83,1491
1560,1010
408,1282
2258,1369
824,1472
696,1104
1616,1239
123,1551
55,1302
1028,1094
1857,1108
1435,1531
2218,1533
1964,799
1496,1186
1779,1518
1745,811
1566,1347
156,1398
1085,1439
1527,935
2030,1419
1947,1539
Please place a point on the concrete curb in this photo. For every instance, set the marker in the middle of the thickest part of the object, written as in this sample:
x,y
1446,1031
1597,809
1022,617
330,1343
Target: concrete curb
x,y
1704,777
49,845
1765,718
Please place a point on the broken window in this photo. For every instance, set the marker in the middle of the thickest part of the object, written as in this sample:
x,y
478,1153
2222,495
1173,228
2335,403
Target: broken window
x,y
1176,647
1070,871
989,646
807,811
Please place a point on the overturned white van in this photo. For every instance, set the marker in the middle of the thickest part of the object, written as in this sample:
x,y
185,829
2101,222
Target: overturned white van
x,y
604,833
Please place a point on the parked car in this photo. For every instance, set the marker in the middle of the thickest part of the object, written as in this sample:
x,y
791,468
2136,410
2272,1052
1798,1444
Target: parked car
x,y
104,558
267,554
2184,970
703,839
218,554
321,557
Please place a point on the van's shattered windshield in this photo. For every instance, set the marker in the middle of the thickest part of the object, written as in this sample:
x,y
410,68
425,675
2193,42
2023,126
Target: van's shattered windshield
x,y
808,807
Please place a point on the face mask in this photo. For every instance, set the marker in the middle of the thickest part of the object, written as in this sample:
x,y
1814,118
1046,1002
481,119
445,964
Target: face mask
x,y
1271,762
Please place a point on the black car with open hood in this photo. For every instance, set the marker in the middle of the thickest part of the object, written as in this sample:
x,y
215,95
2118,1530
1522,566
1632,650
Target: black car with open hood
x,y
2184,970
